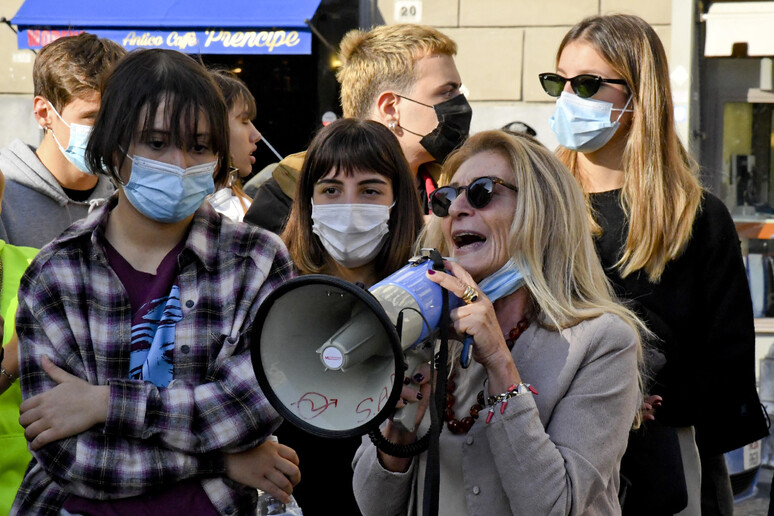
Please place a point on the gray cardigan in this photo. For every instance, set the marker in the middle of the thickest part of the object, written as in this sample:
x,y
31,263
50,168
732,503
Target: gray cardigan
x,y
554,453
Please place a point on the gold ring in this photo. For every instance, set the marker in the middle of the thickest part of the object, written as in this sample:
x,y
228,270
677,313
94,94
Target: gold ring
x,y
470,295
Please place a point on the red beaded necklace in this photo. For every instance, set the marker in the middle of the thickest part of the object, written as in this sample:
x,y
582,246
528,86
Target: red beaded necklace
x,y
461,426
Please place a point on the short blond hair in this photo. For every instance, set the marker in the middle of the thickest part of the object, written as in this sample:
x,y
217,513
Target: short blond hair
x,y
384,58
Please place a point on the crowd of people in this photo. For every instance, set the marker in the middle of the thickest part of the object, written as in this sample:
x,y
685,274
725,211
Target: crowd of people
x,y
612,366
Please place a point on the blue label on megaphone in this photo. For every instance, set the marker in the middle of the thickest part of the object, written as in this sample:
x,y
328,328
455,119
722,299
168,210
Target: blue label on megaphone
x,y
410,292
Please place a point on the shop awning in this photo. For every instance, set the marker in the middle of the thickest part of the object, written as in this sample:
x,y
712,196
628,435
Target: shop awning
x,y
744,25
192,26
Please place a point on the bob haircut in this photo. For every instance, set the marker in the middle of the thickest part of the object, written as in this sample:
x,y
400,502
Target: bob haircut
x,y
549,238
661,193
349,145
237,95
131,96
235,92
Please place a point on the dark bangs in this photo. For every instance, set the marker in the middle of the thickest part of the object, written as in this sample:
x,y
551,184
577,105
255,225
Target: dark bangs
x,y
349,145
235,91
130,99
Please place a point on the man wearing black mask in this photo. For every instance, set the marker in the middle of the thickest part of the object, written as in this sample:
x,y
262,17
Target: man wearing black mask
x,y
403,76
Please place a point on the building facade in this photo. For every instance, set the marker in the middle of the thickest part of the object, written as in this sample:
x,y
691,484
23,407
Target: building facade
x,y
505,44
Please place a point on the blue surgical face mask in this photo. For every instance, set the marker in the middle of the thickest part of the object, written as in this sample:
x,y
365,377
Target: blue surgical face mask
x,y
76,147
165,192
503,282
584,125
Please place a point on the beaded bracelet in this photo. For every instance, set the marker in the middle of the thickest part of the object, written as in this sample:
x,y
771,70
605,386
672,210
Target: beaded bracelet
x,y
502,398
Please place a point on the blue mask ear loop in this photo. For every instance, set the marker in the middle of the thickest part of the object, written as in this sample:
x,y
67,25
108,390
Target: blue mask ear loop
x,y
52,131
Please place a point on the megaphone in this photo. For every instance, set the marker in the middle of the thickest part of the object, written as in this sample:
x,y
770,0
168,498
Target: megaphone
x,y
330,355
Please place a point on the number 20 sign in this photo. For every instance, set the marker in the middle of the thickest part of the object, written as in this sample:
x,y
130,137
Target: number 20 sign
x,y
408,11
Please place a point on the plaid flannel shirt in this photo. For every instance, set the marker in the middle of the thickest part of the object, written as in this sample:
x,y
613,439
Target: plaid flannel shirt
x,y
74,309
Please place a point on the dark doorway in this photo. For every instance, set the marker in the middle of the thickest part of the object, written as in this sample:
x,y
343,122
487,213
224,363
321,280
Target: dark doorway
x,y
293,92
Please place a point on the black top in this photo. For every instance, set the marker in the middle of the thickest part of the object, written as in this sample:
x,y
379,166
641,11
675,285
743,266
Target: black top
x,y
702,311
326,471
270,208
79,195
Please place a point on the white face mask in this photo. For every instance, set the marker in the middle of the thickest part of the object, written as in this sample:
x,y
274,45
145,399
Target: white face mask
x,y
353,234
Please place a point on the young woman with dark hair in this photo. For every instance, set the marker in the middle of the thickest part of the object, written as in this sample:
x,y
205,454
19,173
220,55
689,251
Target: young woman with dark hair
x,y
351,169
230,198
355,216
139,393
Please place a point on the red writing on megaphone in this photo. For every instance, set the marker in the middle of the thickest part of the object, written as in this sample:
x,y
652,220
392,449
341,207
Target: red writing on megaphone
x,y
312,404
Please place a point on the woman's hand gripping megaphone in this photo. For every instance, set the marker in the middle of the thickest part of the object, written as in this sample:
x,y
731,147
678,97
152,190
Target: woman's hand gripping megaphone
x,y
414,305
413,402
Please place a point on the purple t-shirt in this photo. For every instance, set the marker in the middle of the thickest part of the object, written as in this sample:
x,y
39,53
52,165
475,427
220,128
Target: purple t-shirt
x,y
155,311
155,302
142,286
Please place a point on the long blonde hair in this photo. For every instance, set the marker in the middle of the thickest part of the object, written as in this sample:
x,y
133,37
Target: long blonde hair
x,y
661,193
549,235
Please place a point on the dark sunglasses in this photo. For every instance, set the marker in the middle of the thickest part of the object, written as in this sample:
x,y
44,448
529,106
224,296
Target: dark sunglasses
x,y
584,85
479,192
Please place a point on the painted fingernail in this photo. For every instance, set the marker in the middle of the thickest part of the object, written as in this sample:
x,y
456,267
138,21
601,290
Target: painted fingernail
x,y
406,380
405,402
419,377
405,366
430,272
419,396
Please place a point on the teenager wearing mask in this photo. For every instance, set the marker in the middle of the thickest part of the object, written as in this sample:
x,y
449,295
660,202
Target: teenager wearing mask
x,y
230,198
404,77
50,187
669,247
139,393
355,216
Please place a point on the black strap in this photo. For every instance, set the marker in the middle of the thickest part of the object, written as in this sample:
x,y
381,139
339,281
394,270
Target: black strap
x,y
432,467
430,441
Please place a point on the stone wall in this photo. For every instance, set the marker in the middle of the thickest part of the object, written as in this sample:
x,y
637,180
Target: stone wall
x,y
505,44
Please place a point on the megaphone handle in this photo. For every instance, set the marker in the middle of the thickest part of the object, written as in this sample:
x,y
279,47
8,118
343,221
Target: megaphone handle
x,y
467,352
406,418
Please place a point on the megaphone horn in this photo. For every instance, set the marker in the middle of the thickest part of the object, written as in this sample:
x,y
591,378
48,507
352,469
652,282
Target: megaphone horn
x,y
308,349
318,338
